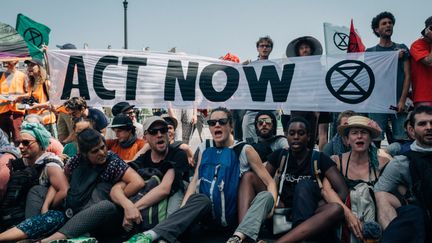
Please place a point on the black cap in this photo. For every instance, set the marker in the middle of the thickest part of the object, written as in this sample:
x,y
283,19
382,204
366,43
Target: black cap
x,y
170,120
67,46
34,61
121,120
121,107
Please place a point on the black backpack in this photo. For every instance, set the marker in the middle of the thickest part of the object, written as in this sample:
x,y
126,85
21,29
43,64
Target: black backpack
x,y
420,167
22,178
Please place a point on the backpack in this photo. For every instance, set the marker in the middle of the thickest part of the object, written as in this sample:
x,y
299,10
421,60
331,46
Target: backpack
x,y
83,181
22,178
263,148
154,214
218,178
420,167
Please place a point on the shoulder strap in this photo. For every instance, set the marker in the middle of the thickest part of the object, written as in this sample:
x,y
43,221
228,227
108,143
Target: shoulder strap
x,y
238,148
314,164
280,176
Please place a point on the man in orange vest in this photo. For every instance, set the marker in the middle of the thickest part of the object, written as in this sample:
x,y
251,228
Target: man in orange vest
x,y
12,82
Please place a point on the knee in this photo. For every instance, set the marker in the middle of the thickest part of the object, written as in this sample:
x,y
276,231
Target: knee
x,y
335,211
248,179
266,198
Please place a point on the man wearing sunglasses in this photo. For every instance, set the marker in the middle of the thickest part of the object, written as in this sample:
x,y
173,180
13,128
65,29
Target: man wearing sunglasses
x,y
421,66
268,141
198,206
168,163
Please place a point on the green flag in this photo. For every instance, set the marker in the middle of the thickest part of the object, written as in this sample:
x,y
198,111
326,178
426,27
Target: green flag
x,y
34,34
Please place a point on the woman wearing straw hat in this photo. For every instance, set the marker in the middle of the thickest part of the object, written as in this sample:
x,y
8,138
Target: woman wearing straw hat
x,y
360,167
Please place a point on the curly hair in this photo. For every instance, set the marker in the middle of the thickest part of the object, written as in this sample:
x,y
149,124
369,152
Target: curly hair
x,y
376,20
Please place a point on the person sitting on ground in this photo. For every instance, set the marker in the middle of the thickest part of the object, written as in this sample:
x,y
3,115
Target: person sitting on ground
x,y
360,167
50,191
79,124
7,152
92,173
403,191
312,218
127,144
268,141
337,145
54,145
197,206
158,162
127,109
77,107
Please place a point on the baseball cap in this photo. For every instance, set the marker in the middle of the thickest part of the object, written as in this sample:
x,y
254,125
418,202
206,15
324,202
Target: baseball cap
x,y
66,46
170,120
121,120
34,61
121,107
152,120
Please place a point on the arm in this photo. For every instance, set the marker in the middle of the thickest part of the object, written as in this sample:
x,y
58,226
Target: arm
x,y
48,199
193,184
158,193
60,184
406,85
351,219
337,182
189,153
259,168
144,149
130,184
428,59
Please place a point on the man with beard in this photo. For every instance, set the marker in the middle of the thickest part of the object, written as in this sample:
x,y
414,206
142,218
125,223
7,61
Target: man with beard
x,y
401,222
200,207
268,141
382,26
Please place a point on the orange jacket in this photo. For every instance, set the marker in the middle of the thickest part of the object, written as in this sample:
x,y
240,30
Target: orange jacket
x,y
16,87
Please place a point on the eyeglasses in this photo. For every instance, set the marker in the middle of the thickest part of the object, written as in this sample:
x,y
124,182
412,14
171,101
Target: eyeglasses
x,y
154,131
221,122
27,143
263,46
261,121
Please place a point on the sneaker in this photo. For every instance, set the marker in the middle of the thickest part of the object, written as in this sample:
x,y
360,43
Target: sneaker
x,y
82,239
140,238
234,239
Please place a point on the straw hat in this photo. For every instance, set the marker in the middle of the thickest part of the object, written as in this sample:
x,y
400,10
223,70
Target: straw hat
x,y
316,46
361,122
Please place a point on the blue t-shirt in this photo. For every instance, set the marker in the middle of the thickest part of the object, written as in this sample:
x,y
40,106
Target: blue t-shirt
x,y
401,73
99,119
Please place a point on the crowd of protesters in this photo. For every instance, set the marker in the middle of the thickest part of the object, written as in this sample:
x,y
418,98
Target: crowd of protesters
x,y
69,174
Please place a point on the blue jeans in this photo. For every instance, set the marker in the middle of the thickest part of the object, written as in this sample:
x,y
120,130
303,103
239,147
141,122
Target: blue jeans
x,y
397,123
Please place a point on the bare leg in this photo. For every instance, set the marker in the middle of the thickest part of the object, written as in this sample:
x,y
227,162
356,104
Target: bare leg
x,y
325,218
250,186
387,204
13,234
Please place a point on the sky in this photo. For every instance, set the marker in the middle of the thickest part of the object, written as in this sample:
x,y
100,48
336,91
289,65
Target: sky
x,y
211,28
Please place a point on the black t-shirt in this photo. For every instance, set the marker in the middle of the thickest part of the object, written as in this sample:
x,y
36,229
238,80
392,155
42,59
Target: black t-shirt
x,y
296,172
176,158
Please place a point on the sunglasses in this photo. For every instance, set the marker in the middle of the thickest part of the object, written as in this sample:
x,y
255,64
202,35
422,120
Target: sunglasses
x,y
261,121
154,131
221,122
263,46
27,142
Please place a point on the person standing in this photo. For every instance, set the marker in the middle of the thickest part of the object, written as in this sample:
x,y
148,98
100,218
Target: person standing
x,y
421,63
382,26
12,82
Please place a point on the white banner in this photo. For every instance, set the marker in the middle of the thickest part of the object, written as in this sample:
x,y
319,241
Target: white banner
x,y
336,38
364,82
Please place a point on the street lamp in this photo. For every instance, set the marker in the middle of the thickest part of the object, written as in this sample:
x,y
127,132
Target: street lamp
x,y
125,3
